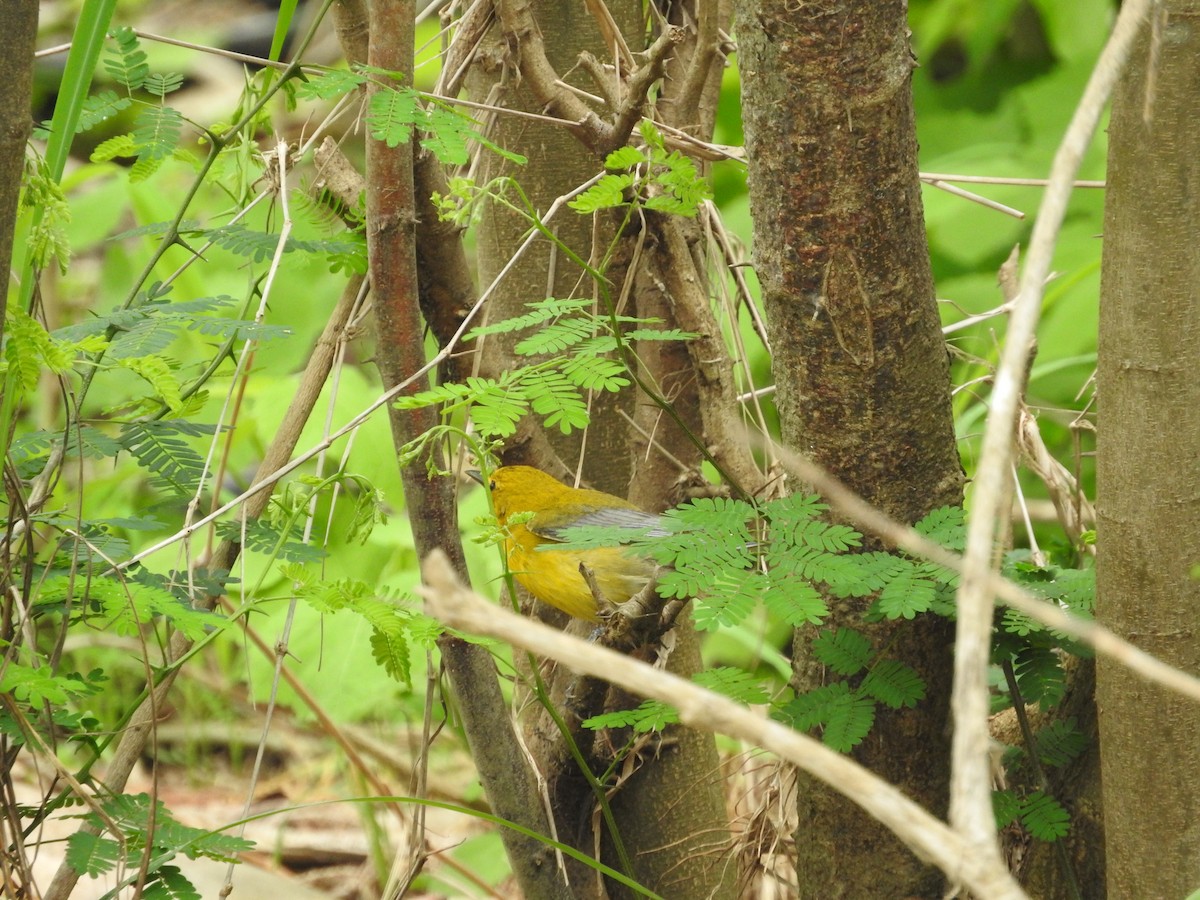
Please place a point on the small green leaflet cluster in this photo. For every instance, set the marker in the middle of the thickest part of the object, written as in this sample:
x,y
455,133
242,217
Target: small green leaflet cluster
x,y
1034,650
650,179
347,253
143,821
1058,744
553,388
280,533
48,240
393,626
156,128
844,710
37,686
80,585
1036,655
654,715
137,340
394,112
124,605
712,554
1042,815
55,722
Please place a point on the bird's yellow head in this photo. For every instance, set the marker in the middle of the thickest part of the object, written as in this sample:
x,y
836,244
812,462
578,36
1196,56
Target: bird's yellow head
x,y
522,489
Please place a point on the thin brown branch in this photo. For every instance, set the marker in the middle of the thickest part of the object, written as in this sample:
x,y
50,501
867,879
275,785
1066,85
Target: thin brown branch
x,y
432,513
350,21
629,112
705,46
529,50
610,32
468,34
725,437
525,38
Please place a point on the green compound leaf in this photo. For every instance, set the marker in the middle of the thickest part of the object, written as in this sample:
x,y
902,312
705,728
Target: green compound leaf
x,y
552,395
624,158
849,722
906,592
1040,675
894,684
330,85
126,64
651,715
169,883
539,311
846,651
727,599
557,337
155,137
390,650
794,600
446,134
607,193
1060,742
736,684
92,854
945,526
1006,806
100,107
391,116
845,715
1046,818
158,447
596,373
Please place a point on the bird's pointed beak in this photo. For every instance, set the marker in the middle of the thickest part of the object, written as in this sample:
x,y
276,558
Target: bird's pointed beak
x,y
476,474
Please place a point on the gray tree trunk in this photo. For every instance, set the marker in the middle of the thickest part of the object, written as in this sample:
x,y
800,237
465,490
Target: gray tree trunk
x,y
670,811
1148,471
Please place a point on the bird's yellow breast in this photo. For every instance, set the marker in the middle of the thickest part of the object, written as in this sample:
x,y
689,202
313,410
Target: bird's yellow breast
x,y
553,575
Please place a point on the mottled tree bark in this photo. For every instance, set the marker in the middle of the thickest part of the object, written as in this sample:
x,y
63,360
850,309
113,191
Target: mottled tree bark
x,y
861,370
18,31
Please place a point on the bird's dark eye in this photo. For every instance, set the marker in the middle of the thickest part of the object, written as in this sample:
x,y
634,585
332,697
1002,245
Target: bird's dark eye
x,y
492,484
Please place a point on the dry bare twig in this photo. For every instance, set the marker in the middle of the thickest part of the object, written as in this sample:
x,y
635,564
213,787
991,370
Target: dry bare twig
x,y
970,783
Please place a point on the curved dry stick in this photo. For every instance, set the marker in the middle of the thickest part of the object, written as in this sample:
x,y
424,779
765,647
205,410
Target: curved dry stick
x,y
970,781
521,30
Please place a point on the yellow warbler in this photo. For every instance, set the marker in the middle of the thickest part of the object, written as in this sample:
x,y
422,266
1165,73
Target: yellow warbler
x,y
553,576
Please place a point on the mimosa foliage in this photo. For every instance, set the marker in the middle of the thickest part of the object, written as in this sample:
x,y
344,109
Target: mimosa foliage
x,y
100,853
157,128
396,112
731,556
652,178
111,410
1042,816
587,358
